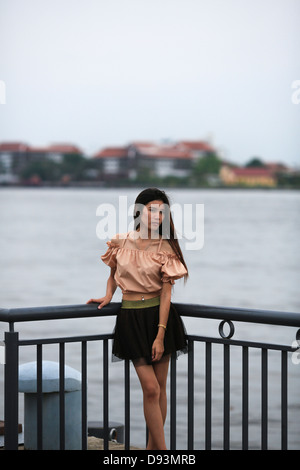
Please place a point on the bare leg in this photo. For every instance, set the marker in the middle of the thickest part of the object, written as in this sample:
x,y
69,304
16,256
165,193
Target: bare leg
x,y
161,372
153,380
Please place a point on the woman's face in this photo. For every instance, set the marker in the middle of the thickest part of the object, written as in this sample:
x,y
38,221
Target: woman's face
x,y
153,214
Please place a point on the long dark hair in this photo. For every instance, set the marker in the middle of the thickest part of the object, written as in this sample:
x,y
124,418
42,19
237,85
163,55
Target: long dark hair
x,y
153,194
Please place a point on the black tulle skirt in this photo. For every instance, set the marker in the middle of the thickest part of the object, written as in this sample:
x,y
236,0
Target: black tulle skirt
x,y
136,330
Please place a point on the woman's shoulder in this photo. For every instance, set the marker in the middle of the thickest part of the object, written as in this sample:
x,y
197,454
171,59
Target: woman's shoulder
x,y
118,239
166,247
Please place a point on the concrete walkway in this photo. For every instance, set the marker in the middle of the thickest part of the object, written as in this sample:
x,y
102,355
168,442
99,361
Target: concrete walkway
x,y
97,444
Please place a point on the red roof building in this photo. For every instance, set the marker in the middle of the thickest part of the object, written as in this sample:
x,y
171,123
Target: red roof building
x,y
276,167
197,148
251,176
64,149
11,147
112,152
139,157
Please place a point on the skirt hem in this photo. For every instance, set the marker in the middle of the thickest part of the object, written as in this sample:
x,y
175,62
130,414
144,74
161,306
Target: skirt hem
x,y
118,358
136,330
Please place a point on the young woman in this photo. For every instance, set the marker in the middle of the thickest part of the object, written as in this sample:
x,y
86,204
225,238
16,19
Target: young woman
x,y
145,263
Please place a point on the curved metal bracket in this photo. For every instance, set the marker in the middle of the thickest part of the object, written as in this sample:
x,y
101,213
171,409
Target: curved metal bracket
x,y
231,329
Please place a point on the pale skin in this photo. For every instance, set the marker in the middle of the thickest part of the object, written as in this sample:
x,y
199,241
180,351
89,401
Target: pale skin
x,y
153,377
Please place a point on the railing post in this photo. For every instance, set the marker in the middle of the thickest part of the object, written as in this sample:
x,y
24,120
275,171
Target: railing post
x,y
245,398
264,399
127,404
11,398
173,403
62,417
226,403
191,395
39,391
84,395
208,395
284,401
105,395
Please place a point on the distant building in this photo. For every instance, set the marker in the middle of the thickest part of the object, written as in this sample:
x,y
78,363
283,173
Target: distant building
x,y
13,159
112,163
139,158
161,160
56,152
129,162
233,176
196,148
276,167
15,156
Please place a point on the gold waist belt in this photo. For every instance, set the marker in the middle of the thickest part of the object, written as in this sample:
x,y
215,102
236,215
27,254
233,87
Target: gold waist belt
x,y
141,303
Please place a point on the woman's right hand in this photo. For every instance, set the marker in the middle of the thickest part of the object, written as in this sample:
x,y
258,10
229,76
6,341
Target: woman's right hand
x,y
102,302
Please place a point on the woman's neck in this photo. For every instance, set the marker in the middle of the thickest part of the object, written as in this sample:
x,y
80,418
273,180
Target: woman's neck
x,y
145,233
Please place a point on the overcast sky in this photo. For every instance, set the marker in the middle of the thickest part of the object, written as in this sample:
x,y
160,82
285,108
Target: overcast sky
x,y
99,73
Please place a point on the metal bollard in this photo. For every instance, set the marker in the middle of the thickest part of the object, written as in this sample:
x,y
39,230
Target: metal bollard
x,y
50,406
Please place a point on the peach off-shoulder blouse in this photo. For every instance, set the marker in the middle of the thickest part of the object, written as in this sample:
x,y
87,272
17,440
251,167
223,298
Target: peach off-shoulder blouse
x,y
141,271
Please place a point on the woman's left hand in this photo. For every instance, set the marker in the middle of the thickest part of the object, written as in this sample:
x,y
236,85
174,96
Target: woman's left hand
x,y
157,349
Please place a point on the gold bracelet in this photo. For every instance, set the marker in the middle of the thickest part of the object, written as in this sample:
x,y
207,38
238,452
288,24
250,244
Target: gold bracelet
x,y
164,326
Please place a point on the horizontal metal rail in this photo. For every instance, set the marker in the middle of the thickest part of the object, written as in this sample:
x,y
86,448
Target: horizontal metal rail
x,y
61,312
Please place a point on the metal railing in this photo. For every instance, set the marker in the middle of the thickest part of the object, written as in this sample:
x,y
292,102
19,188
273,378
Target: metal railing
x,y
226,316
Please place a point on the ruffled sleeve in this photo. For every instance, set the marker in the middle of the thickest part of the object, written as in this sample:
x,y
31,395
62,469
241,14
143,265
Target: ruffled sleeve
x,y
109,256
172,268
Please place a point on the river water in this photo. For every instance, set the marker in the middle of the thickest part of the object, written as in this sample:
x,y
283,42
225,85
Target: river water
x,y
50,255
